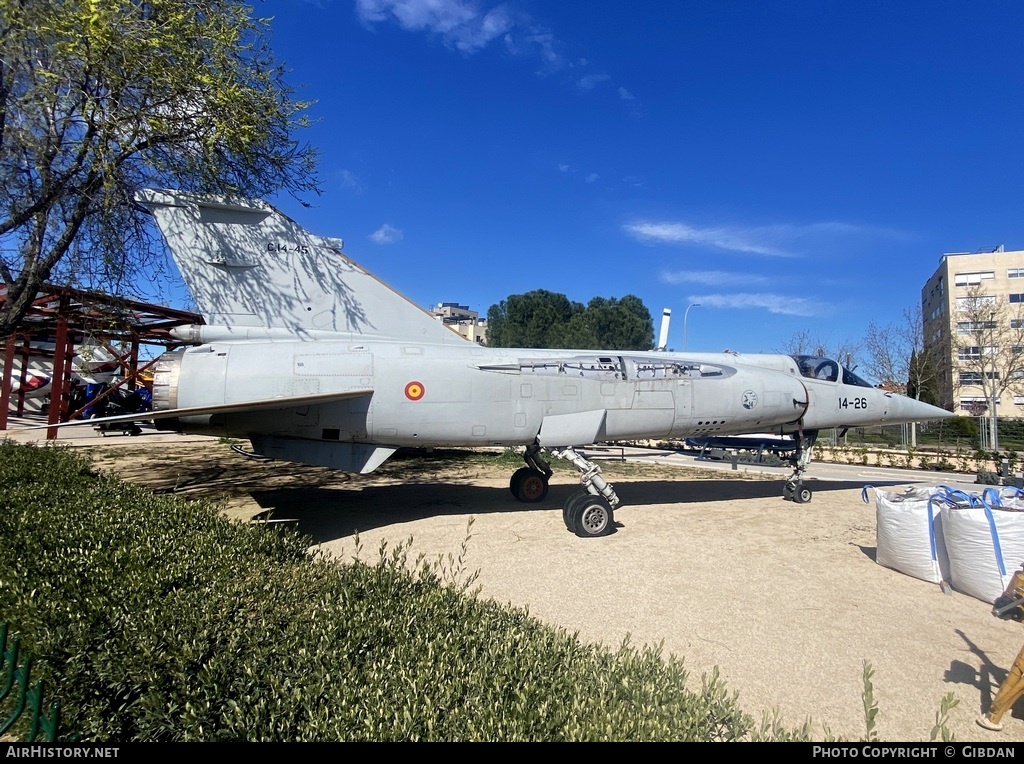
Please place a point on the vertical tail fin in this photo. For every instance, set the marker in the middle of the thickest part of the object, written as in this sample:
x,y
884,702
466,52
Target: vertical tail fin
x,y
249,266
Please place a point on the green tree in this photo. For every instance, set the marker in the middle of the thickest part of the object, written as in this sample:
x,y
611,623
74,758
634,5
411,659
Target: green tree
x,y
542,319
621,324
532,320
99,98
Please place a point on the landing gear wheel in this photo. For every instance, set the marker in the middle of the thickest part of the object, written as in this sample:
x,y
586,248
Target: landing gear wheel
x,y
591,516
789,492
513,482
528,485
570,506
802,496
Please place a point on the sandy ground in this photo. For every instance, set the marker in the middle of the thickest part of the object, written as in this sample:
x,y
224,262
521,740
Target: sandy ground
x,y
785,600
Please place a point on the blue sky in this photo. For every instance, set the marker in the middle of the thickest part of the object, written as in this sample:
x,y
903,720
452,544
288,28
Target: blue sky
x,y
792,166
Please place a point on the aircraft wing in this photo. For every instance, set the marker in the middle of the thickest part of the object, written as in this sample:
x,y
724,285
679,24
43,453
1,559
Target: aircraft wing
x,y
265,404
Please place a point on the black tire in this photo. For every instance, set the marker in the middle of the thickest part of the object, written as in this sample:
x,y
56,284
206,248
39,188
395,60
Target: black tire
x,y
592,517
513,482
802,496
789,492
569,507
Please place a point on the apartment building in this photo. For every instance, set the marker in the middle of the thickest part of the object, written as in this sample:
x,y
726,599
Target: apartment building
x,y
973,318
463,320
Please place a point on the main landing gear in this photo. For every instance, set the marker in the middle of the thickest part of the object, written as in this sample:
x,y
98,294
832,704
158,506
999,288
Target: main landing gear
x,y
794,489
588,513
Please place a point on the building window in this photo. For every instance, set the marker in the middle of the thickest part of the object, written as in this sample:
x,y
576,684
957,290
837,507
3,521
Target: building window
x,y
973,352
975,277
1015,273
974,303
967,327
974,378
1017,297
1017,323
970,401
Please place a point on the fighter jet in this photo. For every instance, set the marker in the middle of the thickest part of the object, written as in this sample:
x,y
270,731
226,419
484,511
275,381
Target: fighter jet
x,y
36,384
759,443
314,360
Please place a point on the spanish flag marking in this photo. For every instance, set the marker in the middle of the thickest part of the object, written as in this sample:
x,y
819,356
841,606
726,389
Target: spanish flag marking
x,y
414,391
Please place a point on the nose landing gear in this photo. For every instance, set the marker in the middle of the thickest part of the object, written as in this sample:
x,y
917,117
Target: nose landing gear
x,y
794,489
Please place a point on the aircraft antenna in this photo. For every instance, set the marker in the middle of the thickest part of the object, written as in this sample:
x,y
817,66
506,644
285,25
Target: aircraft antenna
x,y
666,315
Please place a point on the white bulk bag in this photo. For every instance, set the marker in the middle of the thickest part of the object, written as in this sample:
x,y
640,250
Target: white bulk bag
x,y
909,533
1008,497
985,545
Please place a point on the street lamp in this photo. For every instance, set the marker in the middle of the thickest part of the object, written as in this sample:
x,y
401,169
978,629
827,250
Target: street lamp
x,y
685,315
993,415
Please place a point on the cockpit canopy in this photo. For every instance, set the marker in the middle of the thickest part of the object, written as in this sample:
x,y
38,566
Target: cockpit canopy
x,y
819,367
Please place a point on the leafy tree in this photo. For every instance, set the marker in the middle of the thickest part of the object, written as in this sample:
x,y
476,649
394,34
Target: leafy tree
x,y
536,319
621,324
542,319
99,98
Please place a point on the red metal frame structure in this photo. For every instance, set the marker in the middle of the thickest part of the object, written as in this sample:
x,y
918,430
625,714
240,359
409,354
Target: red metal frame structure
x,y
65,318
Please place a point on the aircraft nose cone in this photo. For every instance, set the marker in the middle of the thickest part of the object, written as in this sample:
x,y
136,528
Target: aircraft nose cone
x,y
909,410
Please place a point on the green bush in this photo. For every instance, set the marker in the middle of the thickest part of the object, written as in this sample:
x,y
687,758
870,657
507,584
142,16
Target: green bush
x,y
960,426
155,619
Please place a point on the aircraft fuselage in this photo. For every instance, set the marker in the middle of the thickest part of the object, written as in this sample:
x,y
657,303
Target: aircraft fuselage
x,y
469,395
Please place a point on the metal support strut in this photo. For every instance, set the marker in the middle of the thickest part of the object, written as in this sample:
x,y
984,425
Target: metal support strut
x,y
590,475
535,461
794,490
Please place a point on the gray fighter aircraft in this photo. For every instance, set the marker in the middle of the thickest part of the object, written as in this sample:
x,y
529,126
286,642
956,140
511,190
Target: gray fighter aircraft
x,y
314,360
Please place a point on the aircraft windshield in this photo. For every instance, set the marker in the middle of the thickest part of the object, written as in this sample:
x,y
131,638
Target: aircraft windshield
x,y
849,378
819,367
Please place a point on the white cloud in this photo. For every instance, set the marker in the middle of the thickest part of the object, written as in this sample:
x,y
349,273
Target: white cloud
x,y
349,181
472,25
711,278
543,44
590,81
563,168
462,25
736,239
781,240
386,234
591,178
773,303
625,95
